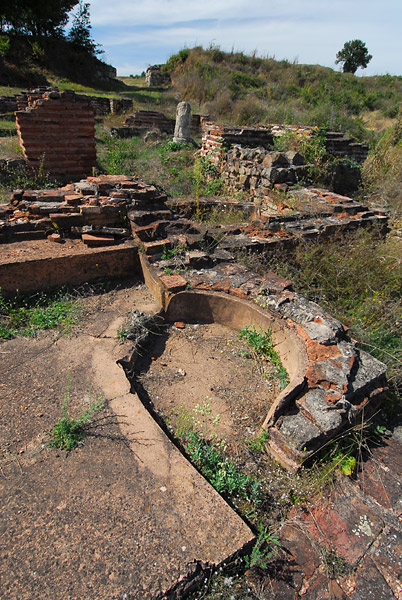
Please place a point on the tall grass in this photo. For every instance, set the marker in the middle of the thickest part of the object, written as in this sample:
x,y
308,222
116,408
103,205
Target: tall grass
x,y
245,89
358,279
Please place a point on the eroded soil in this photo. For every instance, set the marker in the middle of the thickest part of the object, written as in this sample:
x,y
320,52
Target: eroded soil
x,y
205,373
205,377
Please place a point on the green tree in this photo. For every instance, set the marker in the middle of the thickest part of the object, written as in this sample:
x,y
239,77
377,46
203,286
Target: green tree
x,y
353,55
80,32
35,18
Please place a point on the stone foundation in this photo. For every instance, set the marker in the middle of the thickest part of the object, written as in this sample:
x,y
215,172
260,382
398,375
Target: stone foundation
x,y
331,382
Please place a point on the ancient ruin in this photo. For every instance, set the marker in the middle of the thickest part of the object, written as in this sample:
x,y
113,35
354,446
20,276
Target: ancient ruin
x,y
118,226
182,130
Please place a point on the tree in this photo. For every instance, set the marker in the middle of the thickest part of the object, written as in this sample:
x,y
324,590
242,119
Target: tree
x,y
35,18
353,55
80,32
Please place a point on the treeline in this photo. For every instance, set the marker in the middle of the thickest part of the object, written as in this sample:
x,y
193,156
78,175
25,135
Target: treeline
x,y
48,18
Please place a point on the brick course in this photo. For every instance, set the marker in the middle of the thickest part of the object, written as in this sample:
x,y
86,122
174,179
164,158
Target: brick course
x,y
57,134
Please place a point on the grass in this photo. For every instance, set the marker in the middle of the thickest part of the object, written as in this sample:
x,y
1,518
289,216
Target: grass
x,y
356,278
27,315
262,347
167,165
69,432
220,471
247,89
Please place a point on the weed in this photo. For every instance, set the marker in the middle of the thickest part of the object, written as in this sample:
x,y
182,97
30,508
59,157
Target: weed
x,y
334,564
26,315
262,346
258,444
169,253
346,451
220,471
262,549
69,432
136,327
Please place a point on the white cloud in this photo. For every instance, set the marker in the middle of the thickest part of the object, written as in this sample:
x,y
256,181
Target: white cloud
x,y
148,31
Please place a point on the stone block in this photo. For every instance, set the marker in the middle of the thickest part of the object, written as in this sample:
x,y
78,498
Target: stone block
x,y
315,406
91,239
275,159
174,283
370,584
300,432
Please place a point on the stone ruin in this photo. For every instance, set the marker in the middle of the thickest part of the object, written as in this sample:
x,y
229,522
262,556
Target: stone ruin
x,y
143,121
155,76
100,106
332,383
182,130
57,134
248,163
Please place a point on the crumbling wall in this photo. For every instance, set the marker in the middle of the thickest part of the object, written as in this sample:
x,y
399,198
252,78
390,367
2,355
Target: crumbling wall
x,y
100,105
256,171
154,76
57,134
150,119
216,137
147,120
248,163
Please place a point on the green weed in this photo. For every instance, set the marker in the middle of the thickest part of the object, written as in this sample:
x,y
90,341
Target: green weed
x,y
345,452
69,432
220,471
262,549
258,444
26,315
262,346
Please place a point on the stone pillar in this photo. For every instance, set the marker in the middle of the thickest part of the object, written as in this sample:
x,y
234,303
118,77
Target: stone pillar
x,y
182,130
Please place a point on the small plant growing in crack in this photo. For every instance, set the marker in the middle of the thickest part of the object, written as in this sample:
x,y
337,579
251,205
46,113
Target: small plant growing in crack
x,y
69,432
262,549
262,347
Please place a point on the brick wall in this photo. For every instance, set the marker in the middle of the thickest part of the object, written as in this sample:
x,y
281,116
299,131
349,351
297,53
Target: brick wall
x,y
100,105
149,119
57,134
215,136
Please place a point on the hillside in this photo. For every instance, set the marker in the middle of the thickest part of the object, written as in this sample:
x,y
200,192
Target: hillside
x,y
245,90
26,61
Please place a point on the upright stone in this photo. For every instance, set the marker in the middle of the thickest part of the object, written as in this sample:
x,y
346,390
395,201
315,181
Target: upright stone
x,y
182,130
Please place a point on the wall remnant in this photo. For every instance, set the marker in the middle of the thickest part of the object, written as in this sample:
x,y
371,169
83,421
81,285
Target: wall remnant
x,y
8,104
100,105
331,381
217,137
155,76
143,121
248,163
57,134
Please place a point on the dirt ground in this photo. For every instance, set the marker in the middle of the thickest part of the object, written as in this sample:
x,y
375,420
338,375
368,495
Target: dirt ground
x,y
204,376
205,373
121,516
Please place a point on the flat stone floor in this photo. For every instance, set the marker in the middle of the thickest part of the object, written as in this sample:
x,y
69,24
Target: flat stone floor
x,y
121,516
26,250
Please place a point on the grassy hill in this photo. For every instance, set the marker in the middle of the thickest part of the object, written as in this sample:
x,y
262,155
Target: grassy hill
x,y
246,90
26,61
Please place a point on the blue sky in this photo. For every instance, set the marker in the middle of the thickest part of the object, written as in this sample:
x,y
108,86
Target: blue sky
x,y
137,34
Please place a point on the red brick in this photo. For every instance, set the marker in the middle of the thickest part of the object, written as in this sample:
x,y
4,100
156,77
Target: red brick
x,y
174,283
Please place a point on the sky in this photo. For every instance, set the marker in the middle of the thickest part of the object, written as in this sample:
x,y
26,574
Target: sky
x,y
139,33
